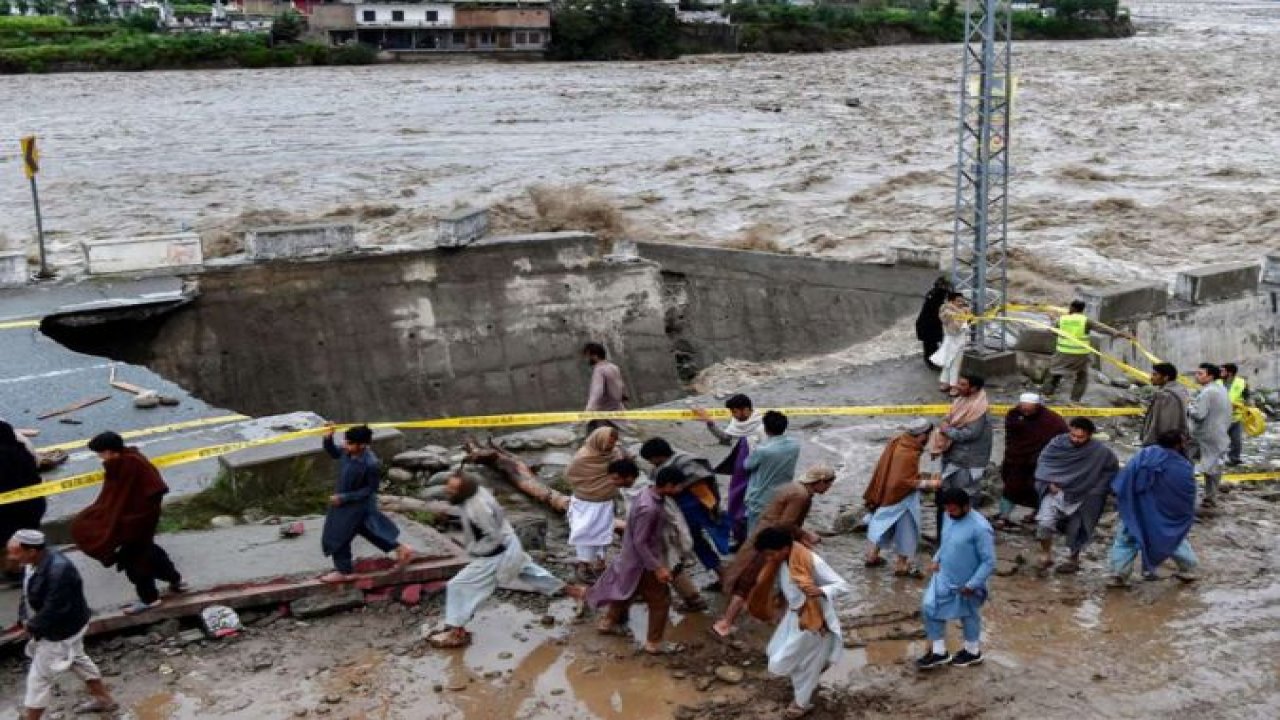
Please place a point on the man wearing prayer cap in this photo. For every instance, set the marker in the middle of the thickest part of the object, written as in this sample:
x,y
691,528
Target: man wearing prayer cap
x,y
1028,428
893,499
54,615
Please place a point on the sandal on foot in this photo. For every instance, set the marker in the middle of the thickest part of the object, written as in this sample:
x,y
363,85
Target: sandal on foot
x,y
1067,568
878,562
716,634
139,607
795,712
449,639
95,706
666,648
614,630
336,577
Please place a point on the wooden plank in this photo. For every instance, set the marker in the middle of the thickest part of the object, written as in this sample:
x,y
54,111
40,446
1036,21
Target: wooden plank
x,y
266,593
74,406
128,387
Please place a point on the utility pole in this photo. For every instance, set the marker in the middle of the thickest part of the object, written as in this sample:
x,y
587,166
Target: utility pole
x,y
980,262
31,166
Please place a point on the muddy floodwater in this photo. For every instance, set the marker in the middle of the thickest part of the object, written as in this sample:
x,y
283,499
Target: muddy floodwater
x,y
1126,153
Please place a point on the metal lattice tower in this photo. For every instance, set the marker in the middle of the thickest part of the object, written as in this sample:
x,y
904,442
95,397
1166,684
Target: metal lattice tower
x,y
982,167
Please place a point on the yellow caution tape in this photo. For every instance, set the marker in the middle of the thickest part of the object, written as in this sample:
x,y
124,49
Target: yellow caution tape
x,y
19,324
183,457
75,482
1253,420
171,427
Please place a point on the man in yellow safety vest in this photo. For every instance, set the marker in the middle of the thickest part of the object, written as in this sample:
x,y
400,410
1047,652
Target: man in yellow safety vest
x,y
1071,356
1238,391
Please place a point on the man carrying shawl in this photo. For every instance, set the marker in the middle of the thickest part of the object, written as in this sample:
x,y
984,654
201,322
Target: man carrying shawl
x,y
1073,477
1156,494
744,431
964,440
798,590
893,499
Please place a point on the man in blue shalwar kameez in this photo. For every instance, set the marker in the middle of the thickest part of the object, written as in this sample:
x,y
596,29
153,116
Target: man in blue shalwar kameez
x,y
353,508
963,564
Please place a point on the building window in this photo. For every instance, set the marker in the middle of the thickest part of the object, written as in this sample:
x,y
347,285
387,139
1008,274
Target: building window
x,y
460,38
535,38
369,15
486,38
520,38
397,16
432,16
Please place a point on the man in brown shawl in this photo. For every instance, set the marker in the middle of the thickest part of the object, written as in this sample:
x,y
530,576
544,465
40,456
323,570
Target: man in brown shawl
x,y
788,509
119,528
1028,427
893,499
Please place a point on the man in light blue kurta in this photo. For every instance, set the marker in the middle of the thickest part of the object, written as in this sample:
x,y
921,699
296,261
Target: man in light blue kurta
x,y
963,564
772,464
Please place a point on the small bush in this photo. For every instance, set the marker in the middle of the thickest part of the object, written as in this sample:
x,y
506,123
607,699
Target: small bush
x,y
353,54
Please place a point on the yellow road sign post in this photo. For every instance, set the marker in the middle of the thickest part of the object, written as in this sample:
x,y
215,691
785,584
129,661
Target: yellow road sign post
x,y
31,166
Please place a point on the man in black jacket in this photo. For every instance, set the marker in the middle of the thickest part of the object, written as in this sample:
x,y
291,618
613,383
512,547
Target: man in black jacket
x,y
54,615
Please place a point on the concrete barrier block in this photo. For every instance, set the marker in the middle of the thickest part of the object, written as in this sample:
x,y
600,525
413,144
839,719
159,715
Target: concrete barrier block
x,y
462,228
13,268
1035,340
1125,302
1271,270
181,251
293,241
919,256
1217,282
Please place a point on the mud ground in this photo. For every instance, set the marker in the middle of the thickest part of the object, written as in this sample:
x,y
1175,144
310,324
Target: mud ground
x,y
1057,646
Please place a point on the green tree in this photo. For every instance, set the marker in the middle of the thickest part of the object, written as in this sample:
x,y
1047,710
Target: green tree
x,y
287,28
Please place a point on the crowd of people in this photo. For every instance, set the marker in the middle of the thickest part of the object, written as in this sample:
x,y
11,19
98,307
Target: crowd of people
x,y
752,536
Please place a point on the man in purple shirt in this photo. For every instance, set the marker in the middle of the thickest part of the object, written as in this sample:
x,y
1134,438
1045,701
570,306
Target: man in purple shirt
x,y
640,570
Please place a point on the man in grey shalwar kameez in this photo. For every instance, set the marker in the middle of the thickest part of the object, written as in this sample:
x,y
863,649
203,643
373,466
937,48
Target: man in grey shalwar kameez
x,y
1210,415
497,558
1073,477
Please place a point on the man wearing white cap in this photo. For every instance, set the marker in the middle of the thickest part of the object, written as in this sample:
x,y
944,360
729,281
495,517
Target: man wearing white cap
x,y
1028,428
893,499
54,615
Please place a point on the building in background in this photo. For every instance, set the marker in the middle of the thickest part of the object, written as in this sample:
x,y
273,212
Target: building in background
x,y
497,26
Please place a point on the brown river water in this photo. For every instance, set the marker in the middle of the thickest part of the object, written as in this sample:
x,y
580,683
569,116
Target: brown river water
x,y
1127,154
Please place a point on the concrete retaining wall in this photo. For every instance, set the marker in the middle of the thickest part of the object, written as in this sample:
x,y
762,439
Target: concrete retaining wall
x,y
499,326
296,241
426,333
1245,331
1217,282
145,254
13,268
760,306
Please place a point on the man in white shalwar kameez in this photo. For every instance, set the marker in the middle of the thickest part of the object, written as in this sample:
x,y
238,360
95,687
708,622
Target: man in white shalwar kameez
x,y
497,559
808,639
